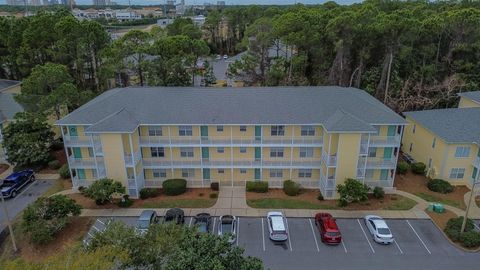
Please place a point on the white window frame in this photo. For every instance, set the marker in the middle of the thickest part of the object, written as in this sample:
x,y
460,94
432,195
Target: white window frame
x,y
277,130
160,151
373,151
243,150
186,173
277,152
457,173
159,173
306,152
243,171
155,131
307,131
219,128
220,150
243,128
462,152
305,173
185,131
187,152
221,171
276,173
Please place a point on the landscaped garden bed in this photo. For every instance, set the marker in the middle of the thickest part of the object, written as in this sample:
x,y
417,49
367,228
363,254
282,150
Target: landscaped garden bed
x,y
308,199
417,185
192,198
3,167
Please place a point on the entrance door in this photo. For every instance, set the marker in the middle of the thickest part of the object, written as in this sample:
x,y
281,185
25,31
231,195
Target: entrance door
x,y
205,153
258,133
391,131
81,174
258,153
204,132
257,174
384,175
206,174
387,152
77,152
72,131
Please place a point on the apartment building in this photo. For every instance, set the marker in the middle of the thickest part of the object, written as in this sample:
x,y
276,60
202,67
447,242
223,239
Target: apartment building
x,y
447,140
317,136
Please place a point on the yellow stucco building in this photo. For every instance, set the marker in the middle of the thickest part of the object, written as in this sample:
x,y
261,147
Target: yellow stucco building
x,y
317,136
447,140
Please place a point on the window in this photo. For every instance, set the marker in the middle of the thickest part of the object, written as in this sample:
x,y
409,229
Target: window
x,y
276,152
433,143
185,131
243,150
307,131
372,152
243,171
414,127
457,173
155,131
220,150
277,130
221,171
159,173
243,128
219,128
186,151
188,172
305,173
411,146
157,151
276,173
429,162
462,151
306,152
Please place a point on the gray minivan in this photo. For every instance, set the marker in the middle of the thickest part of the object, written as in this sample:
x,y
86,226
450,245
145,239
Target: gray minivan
x,y
147,217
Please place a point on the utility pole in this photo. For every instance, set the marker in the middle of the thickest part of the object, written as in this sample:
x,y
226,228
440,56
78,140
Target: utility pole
x,y
9,224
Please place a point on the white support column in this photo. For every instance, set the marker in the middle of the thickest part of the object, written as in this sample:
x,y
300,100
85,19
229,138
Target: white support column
x,y
291,152
398,153
366,158
133,163
261,154
231,153
94,155
171,152
66,152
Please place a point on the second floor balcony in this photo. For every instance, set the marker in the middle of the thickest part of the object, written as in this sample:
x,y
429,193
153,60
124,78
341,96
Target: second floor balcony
x,y
227,140
330,160
84,163
132,160
379,141
378,163
85,141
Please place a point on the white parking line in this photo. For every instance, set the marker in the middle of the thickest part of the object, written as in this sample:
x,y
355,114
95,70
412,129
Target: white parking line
x,y
371,247
96,228
263,236
100,221
343,244
238,229
423,243
190,223
314,237
395,241
289,236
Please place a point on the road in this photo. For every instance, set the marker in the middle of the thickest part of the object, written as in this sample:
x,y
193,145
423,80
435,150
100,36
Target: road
x,y
26,196
418,245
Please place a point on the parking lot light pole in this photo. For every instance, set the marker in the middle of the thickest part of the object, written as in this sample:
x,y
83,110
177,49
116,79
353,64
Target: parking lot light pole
x,y
9,224
464,223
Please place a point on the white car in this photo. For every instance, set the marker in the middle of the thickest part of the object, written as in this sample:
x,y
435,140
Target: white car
x,y
277,226
378,229
225,56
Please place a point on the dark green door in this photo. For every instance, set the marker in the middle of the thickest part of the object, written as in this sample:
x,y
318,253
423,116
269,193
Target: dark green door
x,y
258,153
384,175
258,133
204,132
387,152
77,152
391,131
73,131
205,153
81,174
257,174
206,174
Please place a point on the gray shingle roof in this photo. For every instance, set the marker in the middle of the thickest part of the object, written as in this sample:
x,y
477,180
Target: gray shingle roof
x,y
4,84
8,107
342,121
110,124
456,125
269,105
475,95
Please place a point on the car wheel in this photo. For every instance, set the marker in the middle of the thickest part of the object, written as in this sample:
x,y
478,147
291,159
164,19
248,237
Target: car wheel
x,y
32,178
14,194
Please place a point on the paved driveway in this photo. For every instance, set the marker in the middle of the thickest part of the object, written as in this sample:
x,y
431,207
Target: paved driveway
x,y
28,194
418,245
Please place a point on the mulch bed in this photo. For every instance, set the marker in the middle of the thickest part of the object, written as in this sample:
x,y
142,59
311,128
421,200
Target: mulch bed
x,y
3,167
414,183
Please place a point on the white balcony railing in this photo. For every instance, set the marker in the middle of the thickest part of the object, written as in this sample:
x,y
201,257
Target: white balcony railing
x,y
379,183
225,163
77,140
129,161
227,140
328,183
83,162
381,163
329,160
384,140
360,173
81,182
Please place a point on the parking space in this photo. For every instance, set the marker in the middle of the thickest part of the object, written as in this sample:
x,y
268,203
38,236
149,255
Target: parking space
x,y
355,239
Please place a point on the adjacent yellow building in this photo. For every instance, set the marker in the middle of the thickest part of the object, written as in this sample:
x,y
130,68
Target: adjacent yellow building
x,y
8,107
447,140
317,136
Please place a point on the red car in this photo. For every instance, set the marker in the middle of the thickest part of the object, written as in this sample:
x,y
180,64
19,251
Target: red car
x,y
329,232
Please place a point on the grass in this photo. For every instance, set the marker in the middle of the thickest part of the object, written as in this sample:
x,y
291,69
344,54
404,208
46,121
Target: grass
x,y
402,204
60,184
432,198
285,204
181,203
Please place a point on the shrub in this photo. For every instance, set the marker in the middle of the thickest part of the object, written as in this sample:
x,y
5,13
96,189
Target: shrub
x,y
452,229
470,239
214,186
173,187
257,186
378,193
146,193
320,197
47,216
353,191
439,185
102,190
402,167
125,201
213,195
64,171
291,188
54,164
419,168
342,202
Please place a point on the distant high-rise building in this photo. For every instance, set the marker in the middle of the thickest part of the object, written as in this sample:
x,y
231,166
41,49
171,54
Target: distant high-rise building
x,y
99,3
16,2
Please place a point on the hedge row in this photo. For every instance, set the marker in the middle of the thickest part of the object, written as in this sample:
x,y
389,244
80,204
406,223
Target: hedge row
x,y
173,187
470,238
257,186
291,188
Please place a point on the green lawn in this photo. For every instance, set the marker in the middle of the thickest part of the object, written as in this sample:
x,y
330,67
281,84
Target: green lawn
x,y
433,198
181,203
286,204
401,204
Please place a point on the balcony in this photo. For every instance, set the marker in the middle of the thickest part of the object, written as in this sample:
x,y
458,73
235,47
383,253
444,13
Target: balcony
x,y
379,163
360,173
330,161
384,140
327,183
77,141
379,183
227,141
132,161
227,163
76,182
83,163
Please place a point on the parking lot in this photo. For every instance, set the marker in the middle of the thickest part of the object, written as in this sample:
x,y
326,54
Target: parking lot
x,y
417,243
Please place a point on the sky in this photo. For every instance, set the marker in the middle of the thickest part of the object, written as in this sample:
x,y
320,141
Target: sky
x,y
228,2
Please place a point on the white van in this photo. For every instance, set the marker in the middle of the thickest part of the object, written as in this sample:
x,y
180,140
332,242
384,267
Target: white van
x,y
277,226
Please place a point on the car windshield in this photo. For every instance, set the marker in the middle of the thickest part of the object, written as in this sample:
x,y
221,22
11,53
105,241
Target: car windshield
x,y
383,231
7,183
332,234
226,228
202,227
143,224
